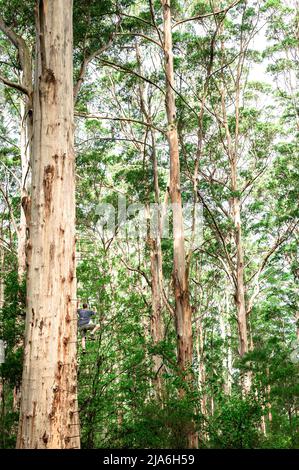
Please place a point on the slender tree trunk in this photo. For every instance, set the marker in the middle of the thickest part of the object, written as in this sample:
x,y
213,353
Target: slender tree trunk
x,y
239,296
235,208
26,127
26,124
154,242
16,398
225,333
24,59
180,277
157,326
236,215
156,316
199,344
268,394
49,413
229,375
263,425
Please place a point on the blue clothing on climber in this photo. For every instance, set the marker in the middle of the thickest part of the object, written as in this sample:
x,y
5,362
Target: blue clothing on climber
x,y
84,316
85,323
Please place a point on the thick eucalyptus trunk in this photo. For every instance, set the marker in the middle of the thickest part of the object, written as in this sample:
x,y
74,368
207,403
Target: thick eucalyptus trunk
x,y
180,277
49,413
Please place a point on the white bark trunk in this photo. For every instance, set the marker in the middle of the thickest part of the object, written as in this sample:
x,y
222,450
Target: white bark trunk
x,y
49,413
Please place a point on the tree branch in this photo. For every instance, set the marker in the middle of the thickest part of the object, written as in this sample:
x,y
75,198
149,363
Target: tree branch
x,y
139,271
136,18
24,58
15,85
111,118
10,209
207,15
279,241
142,36
220,235
126,70
85,63
10,34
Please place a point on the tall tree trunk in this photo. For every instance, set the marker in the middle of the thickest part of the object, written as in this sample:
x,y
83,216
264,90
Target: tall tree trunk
x,y
239,296
180,276
25,148
157,326
26,126
235,206
154,242
25,62
49,414
236,215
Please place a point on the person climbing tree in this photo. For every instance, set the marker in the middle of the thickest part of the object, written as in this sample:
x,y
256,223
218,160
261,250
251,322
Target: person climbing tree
x,y
85,323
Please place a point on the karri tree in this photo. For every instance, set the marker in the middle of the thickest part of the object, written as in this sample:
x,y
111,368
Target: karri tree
x,y
49,413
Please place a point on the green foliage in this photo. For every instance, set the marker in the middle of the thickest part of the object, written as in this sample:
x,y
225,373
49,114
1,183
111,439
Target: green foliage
x,y
235,423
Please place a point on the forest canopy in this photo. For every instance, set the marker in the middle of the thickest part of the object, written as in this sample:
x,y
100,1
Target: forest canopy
x,y
149,191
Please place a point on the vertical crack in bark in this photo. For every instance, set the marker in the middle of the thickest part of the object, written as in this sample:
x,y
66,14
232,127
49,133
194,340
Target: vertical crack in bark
x,y
47,183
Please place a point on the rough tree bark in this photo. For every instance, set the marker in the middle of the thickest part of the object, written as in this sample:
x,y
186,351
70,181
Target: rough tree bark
x,y
180,278
49,414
